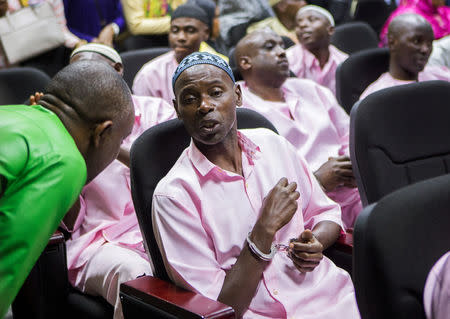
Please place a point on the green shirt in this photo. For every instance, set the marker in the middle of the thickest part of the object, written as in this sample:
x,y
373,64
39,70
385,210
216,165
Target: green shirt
x,y
41,174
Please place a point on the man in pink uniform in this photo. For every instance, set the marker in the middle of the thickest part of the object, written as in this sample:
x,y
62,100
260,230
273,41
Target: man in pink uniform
x,y
305,113
315,58
188,28
106,247
410,39
232,198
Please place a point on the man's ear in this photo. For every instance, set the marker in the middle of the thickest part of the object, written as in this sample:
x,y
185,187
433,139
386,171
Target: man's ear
x,y
238,92
119,68
244,63
100,132
330,30
391,43
175,105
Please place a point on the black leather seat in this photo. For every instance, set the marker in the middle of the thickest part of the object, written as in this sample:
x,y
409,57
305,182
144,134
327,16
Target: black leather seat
x,y
399,136
17,84
352,37
396,242
134,60
356,73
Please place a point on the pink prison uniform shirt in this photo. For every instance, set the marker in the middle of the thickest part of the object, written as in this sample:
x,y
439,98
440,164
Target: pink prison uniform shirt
x,y
305,65
202,215
155,77
436,293
386,80
107,213
312,120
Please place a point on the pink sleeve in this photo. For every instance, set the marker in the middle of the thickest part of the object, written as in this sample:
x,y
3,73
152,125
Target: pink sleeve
x,y
339,118
141,84
320,207
181,237
317,206
166,112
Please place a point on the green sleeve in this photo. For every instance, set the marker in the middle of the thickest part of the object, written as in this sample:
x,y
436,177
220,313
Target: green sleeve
x,y
29,214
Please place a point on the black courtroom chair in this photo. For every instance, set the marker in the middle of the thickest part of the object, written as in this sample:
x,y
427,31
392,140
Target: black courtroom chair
x,y
374,12
17,84
352,37
397,241
356,73
399,136
134,60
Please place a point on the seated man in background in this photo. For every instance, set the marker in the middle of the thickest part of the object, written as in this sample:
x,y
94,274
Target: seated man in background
x,y
315,58
97,21
305,113
47,153
233,199
410,39
106,246
189,28
147,17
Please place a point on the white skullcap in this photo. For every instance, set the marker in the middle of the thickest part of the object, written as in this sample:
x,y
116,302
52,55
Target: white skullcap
x,y
318,9
102,49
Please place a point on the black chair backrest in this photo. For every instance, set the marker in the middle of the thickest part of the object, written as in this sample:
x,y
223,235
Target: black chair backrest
x,y
374,12
17,84
134,60
352,37
356,73
152,156
399,136
396,243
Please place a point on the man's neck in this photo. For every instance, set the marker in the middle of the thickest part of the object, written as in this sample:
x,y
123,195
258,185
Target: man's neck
x,y
399,73
267,92
226,155
322,55
70,122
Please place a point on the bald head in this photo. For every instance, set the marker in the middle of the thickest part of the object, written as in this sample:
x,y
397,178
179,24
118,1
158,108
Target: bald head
x,y
261,58
410,40
401,23
93,89
95,106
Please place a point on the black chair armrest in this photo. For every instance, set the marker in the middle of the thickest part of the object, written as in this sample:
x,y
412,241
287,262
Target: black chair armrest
x,y
341,251
150,297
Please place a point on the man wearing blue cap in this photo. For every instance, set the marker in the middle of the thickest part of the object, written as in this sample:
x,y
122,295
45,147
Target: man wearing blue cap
x,y
240,218
189,29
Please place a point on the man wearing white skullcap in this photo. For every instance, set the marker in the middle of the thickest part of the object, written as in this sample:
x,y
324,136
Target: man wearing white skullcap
x,y
106,246
315,58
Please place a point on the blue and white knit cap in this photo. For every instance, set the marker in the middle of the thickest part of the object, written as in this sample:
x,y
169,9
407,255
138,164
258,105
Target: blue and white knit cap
x,y
201,58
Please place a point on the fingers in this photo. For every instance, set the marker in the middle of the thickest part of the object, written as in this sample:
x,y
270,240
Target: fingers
x,y
305,266
343,158
283,182
306,236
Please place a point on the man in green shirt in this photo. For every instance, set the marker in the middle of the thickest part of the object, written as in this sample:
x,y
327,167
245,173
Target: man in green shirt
x,y
47,154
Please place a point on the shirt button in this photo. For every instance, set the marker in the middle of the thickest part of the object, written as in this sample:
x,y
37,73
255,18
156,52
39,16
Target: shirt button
x,y
275,292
